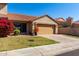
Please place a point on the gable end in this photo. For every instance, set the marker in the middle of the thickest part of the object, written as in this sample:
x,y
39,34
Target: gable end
x,y
47,19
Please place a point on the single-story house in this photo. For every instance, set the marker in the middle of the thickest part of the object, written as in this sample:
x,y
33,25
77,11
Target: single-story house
x,y
26,24
45,23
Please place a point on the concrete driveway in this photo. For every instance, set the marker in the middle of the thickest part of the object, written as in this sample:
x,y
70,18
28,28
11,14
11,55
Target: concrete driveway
x,y
62,38
70,53
66,44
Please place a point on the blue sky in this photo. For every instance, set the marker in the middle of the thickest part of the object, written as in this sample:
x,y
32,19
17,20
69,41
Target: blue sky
x,y
54,10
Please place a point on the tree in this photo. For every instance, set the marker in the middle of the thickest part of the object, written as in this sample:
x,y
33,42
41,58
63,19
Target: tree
x,y
65,24
69,21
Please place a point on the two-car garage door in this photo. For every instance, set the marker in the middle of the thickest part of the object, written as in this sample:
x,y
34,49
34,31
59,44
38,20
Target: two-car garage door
x,y
45,29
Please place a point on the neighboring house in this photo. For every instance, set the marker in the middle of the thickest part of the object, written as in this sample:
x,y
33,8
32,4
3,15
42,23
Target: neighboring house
x,y
75,24
60,21
64,23
72,27
26,24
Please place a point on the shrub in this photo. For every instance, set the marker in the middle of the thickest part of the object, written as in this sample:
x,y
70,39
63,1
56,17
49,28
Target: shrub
x,y
16,31
11,26
4,27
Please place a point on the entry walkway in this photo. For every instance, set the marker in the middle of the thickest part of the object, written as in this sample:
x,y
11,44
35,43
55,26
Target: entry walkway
x,y
66,44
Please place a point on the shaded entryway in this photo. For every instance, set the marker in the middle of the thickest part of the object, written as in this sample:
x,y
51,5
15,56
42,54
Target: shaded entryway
x,y
22,27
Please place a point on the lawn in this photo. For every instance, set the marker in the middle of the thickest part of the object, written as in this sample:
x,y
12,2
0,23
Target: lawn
x,y
22,41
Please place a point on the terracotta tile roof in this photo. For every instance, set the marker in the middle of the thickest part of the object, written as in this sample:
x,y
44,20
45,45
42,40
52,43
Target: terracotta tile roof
x,y
19,17
60,20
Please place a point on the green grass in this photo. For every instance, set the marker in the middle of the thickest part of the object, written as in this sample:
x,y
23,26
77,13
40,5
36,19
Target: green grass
x,y
17,42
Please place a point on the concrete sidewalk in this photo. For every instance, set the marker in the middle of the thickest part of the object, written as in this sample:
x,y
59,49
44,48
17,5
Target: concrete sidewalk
x,y
66,44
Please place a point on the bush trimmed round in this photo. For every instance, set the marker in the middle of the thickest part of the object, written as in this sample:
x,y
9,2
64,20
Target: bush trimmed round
x,y
16,31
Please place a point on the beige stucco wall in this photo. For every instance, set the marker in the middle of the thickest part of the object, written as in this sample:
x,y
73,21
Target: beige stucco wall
x,y
3,9
29,28
56,29
45,20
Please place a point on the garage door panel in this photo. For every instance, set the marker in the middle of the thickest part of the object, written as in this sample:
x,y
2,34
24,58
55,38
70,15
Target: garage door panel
x,y
46,30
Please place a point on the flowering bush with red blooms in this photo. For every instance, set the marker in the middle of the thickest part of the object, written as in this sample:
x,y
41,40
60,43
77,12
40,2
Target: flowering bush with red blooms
x,y
11,26
6,27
